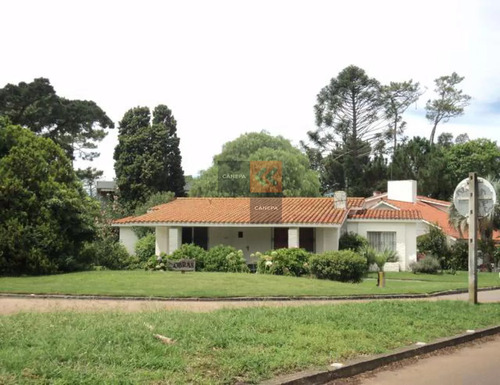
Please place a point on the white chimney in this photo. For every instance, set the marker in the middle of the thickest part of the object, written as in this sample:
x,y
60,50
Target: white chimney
x,y
340,200
402,190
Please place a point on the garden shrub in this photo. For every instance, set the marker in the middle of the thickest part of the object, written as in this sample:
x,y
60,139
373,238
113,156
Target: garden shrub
x,y
285,261
435,243
156,262
459,256
428,265
108,254
225,259
343,265
352,241
145,248
191,251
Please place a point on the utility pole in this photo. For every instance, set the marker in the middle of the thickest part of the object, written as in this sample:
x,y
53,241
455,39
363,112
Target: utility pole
x,y
473,206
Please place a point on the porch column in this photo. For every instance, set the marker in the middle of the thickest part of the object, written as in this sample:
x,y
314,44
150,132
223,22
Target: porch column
x,y
161,240
293,237
174,238
330,239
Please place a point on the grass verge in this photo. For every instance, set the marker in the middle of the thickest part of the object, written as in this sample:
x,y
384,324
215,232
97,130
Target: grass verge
x,y
226,346
175,284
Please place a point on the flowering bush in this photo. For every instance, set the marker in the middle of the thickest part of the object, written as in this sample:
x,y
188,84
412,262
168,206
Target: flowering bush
x,y
156,262
226,259
292,262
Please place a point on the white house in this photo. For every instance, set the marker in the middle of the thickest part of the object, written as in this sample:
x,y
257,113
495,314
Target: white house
x,y
392,220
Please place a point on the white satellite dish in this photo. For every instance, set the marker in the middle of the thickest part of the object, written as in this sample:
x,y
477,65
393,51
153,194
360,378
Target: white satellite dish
x,y
487,197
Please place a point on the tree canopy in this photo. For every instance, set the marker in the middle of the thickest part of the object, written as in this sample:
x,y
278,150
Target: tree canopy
x,y
298,178
45,215
75,125
147,157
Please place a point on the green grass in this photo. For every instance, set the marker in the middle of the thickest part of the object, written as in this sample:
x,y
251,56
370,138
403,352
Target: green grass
x,y
224,346
175,284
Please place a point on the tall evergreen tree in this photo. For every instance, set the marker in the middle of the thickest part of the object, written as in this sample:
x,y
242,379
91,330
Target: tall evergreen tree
x,y
397,97
147,157
348,116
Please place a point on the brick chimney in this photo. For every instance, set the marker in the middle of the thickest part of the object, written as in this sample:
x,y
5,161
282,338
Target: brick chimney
x,y
340,200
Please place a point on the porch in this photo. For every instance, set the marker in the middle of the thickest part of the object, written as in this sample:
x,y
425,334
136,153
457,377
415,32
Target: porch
x,y
249,239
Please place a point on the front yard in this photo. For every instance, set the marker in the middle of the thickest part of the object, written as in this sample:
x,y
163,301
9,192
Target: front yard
x,y
199,284
222,347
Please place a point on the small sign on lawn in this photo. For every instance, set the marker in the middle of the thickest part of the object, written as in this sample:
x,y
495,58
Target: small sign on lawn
x,y
182,265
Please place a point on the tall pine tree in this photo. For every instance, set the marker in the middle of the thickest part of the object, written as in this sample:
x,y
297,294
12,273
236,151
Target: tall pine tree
x,y
147,157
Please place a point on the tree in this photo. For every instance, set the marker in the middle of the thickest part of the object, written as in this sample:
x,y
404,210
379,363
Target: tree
x,y
45,215
397,97
89,176
420,161
348,116
478,155
450,102
75,125
298,179
147,157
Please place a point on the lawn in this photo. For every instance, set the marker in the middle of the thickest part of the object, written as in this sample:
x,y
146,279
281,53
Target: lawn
x,y
197,284
225,346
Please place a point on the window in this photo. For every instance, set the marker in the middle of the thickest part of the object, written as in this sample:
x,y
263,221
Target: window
x,y
196,235
381,240
240,234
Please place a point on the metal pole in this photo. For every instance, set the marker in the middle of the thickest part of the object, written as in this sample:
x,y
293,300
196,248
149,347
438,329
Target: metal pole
x,y
473,237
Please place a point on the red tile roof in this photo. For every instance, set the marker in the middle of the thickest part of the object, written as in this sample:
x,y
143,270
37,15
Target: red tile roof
x,y
429,212
246,211
386,214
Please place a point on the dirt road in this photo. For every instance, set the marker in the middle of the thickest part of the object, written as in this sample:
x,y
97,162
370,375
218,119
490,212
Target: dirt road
x,y
9,305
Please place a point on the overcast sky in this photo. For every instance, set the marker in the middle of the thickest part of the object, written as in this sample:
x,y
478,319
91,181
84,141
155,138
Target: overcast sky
x,y
230,67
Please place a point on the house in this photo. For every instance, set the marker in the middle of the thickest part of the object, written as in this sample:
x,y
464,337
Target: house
x,y
392,220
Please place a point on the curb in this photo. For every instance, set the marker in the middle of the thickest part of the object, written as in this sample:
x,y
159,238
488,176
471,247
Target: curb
x,y
358,366
245,299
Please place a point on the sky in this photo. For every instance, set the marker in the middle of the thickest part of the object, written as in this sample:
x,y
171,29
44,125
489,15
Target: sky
x,y
229,67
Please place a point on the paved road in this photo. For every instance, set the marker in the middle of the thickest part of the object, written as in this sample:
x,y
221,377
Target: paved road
x,y
474,364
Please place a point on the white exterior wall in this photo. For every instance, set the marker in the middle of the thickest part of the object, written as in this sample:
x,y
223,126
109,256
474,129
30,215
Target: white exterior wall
x,y
128,239
254,238
327,239
422,228
293,237
174,238
406,237
411,245
161,239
